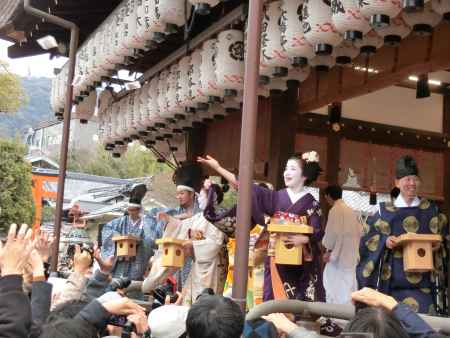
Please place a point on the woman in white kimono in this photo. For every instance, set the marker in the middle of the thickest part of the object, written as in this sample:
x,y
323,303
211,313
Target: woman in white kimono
x,y
205,243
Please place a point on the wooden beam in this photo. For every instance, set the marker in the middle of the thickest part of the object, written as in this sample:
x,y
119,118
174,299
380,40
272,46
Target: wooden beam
x,y
284,120
416,55
446,202
375,132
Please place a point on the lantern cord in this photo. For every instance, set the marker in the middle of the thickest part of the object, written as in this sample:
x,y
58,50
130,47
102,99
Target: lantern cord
x,y
161,156
173,154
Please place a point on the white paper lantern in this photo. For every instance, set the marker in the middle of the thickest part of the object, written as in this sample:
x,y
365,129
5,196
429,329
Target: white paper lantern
x,y
230,61
394,33
185,83
130,39
239,97
218,111
103,50
112,38
297,75
263,91
145,106
84,111
208,71
293,40
348,19
153,104
380,12
231,105
119,150
318,27
422,22
272,51
139,114
162,93
370,43
115,123
144,23
133,116
196,88
123,30
174,14
441,7
141,20
323,63
203,7
345,52
173,99
157,24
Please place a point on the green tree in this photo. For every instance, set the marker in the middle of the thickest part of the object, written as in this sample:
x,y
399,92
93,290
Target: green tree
x,y
12,95
137,162
16,201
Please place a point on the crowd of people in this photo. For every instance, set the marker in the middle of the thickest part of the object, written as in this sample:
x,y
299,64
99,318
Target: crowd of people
x,y
363,265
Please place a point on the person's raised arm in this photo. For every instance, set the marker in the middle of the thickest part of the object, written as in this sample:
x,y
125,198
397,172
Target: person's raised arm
x,y
215,165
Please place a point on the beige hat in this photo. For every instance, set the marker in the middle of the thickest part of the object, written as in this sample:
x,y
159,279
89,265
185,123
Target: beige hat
x,y
168,321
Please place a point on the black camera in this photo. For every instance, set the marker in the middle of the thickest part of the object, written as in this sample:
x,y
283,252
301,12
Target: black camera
x,y
161,292
120,283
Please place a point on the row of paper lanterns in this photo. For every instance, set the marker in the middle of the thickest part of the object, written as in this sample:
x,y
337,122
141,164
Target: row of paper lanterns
x,y
295,33
134,26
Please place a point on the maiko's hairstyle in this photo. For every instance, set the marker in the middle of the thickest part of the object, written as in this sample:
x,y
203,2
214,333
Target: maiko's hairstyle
x,y
378,321
310,170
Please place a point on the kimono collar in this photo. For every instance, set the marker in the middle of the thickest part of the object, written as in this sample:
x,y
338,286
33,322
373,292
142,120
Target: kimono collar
x,y
296,196
401,203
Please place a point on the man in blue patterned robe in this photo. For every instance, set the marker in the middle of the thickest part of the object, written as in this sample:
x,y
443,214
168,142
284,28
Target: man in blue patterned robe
x,y
381,255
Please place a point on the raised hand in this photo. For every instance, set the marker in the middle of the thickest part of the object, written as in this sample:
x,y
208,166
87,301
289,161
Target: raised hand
x,y
374,298
209,161
281,322
43,245
104,264
14,255
82,260
123,307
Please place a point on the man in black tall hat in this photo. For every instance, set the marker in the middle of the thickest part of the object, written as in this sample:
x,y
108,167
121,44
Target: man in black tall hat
x,y
131,223
381,255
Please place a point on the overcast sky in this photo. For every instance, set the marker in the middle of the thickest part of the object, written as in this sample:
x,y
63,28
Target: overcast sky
x,y
37,66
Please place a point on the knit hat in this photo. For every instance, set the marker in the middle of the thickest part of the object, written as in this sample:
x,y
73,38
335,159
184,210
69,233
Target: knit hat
x,y
406,166
168,321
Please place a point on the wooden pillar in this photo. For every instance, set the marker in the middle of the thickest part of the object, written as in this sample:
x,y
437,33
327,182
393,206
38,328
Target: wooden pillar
x,y
283,128
446,130
446,204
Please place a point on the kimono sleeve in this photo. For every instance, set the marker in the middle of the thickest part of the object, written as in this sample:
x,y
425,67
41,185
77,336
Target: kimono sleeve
x,y
372,248
109,230
315,222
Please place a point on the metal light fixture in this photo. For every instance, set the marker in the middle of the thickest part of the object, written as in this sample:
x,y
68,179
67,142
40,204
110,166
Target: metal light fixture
x,y
47,42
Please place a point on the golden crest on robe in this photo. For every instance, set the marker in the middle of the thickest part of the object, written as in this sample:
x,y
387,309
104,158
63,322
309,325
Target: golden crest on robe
x,y
383,227
434,225
411,224
372,243
390,207
412,303
368,269
424,204
413,277
386,272
426,290
443,221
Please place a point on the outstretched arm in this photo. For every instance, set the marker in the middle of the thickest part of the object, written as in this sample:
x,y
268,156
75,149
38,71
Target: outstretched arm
x,y
215,165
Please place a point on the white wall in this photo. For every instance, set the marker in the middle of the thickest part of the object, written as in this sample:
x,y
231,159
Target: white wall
x,y
395,106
